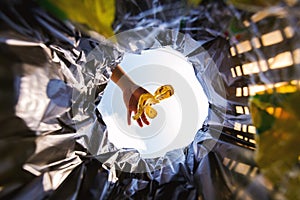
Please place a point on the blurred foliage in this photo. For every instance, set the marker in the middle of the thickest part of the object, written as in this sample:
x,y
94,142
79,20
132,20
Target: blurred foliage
x,y
97,15
276,115
194,2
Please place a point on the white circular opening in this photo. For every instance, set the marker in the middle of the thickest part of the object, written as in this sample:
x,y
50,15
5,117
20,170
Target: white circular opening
x,y
179,117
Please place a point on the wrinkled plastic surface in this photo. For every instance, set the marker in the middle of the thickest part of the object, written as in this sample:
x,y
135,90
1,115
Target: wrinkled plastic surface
x,y
53,141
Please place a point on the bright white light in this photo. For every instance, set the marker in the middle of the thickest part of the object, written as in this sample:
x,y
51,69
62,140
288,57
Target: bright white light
x,y
179,117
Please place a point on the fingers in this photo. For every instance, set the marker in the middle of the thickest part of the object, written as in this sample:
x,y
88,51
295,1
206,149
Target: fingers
x,y
129,117
139,121
144,119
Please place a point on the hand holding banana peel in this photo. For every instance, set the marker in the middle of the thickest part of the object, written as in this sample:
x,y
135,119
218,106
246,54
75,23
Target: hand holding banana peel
x,y
137,99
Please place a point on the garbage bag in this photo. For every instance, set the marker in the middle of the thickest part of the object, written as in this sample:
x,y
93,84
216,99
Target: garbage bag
x,y
54,141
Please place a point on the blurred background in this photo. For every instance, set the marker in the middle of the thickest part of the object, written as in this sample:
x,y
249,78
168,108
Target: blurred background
x,y
54,142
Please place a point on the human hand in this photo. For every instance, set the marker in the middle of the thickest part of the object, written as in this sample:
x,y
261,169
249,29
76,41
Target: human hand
x,y
131,97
